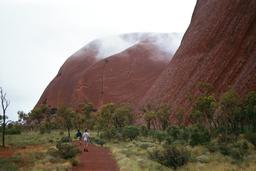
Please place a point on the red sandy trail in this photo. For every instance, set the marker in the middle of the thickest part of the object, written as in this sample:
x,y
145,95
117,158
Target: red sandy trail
x,y
96,159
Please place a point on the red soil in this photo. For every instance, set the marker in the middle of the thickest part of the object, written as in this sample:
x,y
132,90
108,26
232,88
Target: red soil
x,y
96,159
6,152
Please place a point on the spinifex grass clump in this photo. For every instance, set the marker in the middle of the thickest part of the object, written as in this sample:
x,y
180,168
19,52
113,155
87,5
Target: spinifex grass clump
x,y
171,156
130,132
66,149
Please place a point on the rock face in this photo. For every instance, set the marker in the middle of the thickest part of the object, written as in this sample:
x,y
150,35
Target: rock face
x,y
219,47
123,77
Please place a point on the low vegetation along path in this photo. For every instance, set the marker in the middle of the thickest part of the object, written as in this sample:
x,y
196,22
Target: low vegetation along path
x,y
96,159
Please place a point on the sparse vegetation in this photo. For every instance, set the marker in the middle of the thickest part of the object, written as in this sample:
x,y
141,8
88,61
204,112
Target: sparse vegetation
x,y
171,156
220,134
32,150
66,150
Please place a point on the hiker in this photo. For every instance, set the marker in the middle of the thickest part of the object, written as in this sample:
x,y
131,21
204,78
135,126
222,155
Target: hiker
x,y
86,139
79,136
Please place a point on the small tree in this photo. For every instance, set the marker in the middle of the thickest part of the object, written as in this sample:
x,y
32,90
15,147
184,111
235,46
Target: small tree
x,y
87,110
105,116
130,132
163,113
22,116
79,121
37,115
4,103
230,107
122,116
249,109
205,88
180,117
66,117
149,117
203,110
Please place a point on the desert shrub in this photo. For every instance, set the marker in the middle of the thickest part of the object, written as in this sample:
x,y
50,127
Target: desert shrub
x,y
177,134
35,156
53,152
43,130
198,135
236,149
67,150
169,140
99,141
10,163
130,132
12,131
251,137
224,149
171,156
159,135
226,138
144,145
144,131
46,127
239,149
203,159
51,141
74,162
184,134
173,132
212,147
111,133
65,139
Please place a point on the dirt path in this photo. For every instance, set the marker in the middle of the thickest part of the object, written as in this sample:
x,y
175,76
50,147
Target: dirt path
x,y
96,159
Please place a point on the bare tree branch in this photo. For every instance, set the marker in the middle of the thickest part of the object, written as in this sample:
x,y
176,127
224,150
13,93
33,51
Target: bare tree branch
x,y
4,103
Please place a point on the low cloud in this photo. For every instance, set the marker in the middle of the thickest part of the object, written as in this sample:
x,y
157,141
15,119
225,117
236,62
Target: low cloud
x,y
166,42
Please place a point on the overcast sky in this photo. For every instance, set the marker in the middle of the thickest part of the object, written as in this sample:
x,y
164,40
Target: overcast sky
x,y
37,36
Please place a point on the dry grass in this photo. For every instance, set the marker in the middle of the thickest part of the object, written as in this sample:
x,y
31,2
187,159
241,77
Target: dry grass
x,y
29,152
133,156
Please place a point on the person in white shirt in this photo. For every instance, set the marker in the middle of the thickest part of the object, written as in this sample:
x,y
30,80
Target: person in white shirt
x,y
85,138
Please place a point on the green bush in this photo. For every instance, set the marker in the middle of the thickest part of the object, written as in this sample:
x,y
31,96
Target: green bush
x,y
212,147
203,159
45,129
67,150
239,149
177,134
159,136
111,133
65,139
174,132
226,138
99,141
144,145
11,163
130,132
198,135
144,131
171,156
184,134
236,149
251,137
12,131
53,152
224,149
